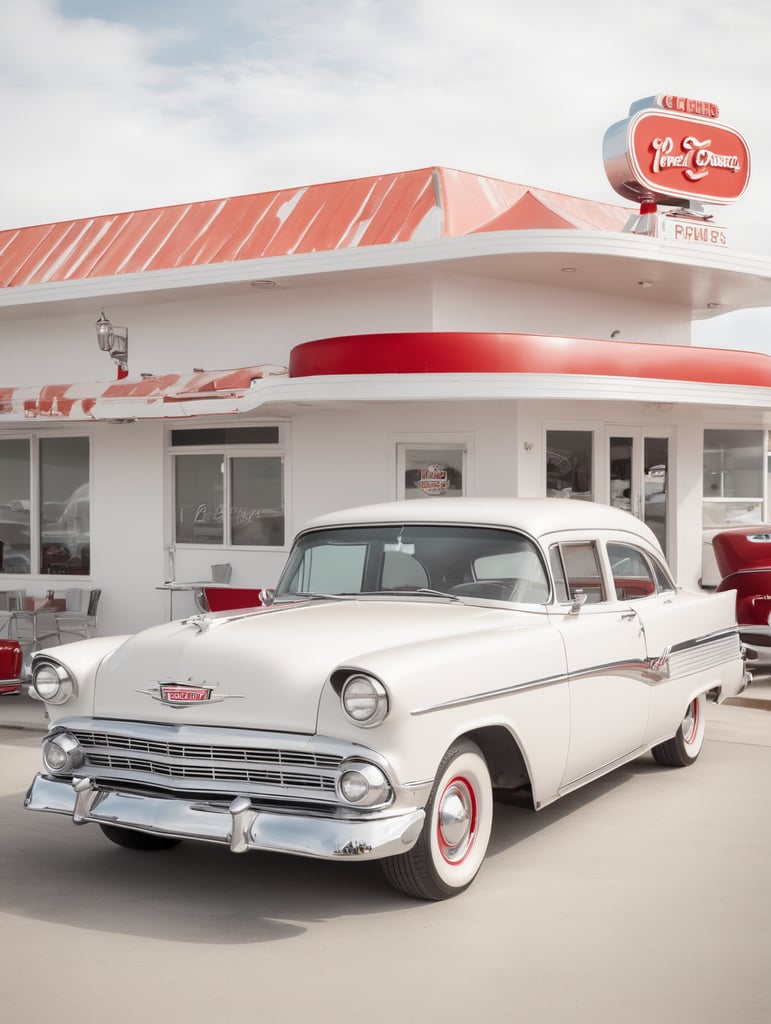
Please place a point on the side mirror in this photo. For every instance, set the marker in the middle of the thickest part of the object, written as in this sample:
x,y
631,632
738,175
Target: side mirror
x,y
267,596
579,600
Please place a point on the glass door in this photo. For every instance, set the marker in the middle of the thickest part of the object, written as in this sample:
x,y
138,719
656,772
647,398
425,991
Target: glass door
x,y
638,472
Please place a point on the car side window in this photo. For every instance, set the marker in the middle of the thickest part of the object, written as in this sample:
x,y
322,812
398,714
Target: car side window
x,y
576,569
663,578
632,574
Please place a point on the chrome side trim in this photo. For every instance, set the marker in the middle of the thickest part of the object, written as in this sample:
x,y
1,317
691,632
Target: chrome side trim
x,y
695,655
459,702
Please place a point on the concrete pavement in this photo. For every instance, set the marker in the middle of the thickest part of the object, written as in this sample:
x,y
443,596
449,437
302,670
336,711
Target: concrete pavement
x,y
22,712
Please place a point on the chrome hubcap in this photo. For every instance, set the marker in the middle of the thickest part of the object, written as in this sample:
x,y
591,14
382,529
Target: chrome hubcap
x,y
690,722
456,823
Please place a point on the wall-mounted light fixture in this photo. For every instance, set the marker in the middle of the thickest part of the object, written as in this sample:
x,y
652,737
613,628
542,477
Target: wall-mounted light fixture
x,y
114,340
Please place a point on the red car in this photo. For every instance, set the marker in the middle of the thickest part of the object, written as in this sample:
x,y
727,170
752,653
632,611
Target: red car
x,y
743,557
10,667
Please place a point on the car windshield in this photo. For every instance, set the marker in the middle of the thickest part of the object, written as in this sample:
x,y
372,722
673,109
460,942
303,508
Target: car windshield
x,y
460,561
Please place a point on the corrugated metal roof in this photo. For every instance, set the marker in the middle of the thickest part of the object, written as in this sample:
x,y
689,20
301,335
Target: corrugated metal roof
x,y
381,210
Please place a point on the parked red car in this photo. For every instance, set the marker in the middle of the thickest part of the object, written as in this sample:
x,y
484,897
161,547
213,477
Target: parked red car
x,y
10,667
743,557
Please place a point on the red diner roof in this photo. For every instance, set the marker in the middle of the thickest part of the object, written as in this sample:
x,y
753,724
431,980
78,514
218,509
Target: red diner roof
x,y
430,203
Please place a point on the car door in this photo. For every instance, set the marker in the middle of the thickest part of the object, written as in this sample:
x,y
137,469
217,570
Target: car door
x,y
688,636
607,660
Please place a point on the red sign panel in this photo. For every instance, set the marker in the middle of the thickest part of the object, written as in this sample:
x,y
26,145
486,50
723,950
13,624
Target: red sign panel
x,y
684,157
665,155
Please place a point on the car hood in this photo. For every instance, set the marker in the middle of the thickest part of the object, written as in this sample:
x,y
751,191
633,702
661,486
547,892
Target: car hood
x,y
265,669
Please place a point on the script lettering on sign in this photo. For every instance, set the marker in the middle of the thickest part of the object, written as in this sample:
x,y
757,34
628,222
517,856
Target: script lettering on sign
x,y
674,158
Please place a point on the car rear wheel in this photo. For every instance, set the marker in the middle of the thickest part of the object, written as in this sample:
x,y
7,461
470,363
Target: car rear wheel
x,y
685,746
137,840
453,843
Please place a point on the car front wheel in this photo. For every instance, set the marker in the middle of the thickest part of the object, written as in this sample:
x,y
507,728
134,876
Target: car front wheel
x,y
453,843
685,746
138,840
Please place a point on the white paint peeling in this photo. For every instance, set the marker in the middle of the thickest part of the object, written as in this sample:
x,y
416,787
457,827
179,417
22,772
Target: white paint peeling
x,y
286,209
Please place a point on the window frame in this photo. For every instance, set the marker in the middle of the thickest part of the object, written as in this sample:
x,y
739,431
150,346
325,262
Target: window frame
x,y
595,431
35,492
228,453
439,442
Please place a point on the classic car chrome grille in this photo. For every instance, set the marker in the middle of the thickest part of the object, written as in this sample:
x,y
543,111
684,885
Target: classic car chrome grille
x,y
264,766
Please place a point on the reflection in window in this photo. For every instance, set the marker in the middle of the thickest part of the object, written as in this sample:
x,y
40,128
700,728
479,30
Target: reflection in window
x,y
15,555
433,471
466,561
569,464
199,499
257,501
250,486
632,577
734,463
576,570
65,506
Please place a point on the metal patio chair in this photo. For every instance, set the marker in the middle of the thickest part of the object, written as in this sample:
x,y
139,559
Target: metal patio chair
x,y
78,625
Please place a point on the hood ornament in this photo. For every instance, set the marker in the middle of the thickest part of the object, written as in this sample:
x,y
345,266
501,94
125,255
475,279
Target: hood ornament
x,y
201,622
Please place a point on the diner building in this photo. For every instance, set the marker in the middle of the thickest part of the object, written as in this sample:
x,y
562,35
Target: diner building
x,y
182,388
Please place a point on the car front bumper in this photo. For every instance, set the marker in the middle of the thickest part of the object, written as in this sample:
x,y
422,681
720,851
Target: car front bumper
x,y
238,824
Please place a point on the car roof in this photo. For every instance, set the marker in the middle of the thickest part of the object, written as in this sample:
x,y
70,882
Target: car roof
x,y
536,516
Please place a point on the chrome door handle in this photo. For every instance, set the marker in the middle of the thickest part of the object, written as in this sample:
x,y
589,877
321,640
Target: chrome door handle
x,y
628,616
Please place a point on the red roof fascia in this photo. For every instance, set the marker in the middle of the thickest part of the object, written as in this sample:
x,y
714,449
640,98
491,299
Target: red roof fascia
x,y
464,352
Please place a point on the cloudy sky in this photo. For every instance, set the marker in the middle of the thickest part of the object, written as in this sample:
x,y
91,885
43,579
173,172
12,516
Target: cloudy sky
x,y
113,105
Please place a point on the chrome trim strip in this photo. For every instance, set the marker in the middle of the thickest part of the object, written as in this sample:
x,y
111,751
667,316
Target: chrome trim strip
x,y
532,684
239,825
651,671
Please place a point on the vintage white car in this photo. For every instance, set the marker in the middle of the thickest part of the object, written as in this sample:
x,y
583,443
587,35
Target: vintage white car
x,y
416,658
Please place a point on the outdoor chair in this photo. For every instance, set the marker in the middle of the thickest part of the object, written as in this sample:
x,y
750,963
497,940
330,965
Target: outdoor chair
x,y
81,625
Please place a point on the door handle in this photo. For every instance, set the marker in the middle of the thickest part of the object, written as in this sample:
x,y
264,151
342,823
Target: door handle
x,y
628,616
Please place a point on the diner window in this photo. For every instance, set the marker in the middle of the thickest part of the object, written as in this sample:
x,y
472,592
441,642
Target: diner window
x,y
234,475
15,489
734,462
431,470
733,474
569,464
45,508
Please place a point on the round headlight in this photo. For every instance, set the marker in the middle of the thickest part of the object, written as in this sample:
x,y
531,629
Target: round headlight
x,y
363,784
51,682
62,753
364,700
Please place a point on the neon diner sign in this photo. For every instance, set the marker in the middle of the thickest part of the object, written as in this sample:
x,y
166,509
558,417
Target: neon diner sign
x,y
672,150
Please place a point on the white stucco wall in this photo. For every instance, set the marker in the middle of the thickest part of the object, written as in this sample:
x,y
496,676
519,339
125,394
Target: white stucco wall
x,y
336,455
464,303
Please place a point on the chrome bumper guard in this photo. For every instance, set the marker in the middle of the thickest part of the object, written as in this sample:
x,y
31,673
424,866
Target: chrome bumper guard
x,y
240,826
